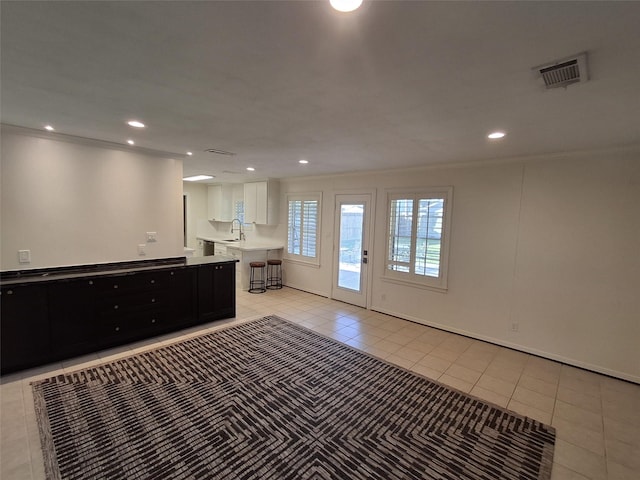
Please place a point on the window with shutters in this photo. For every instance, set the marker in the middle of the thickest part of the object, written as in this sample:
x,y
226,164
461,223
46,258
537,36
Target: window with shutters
x,y
418,237
303,226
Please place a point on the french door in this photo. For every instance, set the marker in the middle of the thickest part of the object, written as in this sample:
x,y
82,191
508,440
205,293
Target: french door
x,y
351,248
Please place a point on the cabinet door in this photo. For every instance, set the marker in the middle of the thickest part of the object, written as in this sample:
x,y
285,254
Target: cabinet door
x,y
216,291
224,287
183,296
25,334
219,203
272,202
261,203
250,202
213,201
72,310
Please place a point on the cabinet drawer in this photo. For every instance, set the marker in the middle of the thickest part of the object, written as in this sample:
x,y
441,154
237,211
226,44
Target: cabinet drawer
x,y
136,281
115,305
133,324
234,252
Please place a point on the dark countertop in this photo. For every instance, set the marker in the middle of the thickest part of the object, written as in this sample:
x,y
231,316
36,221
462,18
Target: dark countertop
x,y
21,277
210,259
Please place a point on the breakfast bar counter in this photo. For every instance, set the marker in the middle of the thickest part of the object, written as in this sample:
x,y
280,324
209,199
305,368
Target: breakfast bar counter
x,y
245,252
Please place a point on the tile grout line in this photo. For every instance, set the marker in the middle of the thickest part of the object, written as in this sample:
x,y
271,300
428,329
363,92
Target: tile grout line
x,y
604,436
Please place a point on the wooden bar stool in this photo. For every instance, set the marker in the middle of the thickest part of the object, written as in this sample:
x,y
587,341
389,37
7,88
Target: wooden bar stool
x,y
274,274
257,278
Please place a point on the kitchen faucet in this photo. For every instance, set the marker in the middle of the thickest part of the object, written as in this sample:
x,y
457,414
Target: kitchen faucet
x,y
239,227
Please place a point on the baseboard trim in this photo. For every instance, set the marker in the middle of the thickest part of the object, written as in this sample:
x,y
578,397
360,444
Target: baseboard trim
x,y
514,346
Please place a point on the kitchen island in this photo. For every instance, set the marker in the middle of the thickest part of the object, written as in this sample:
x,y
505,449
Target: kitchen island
x,y
56,313
245,252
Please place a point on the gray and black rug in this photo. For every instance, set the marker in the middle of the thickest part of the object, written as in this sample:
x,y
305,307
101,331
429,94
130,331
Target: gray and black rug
x,y
270,399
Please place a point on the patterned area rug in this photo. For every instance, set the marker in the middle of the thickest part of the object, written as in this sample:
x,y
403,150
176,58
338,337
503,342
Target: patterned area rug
x,y
270,399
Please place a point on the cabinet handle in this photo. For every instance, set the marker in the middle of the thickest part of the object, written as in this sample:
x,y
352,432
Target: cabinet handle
x,y
153,281
153,320
115,307
171,273
90,282
9,292
117,329
115,286
153,300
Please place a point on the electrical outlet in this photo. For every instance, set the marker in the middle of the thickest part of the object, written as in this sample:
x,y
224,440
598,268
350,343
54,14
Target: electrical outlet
x,y
24,256
515,327
151,236
141,249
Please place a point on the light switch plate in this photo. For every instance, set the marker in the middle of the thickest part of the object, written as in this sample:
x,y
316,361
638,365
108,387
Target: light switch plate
x,y
24,256
141,249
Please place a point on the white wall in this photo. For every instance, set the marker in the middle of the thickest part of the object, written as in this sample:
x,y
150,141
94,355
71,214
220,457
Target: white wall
x,y
76,202
552,244
577,284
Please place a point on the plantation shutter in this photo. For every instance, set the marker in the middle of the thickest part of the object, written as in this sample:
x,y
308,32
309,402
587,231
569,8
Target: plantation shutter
x,y
295,221
303,238
309,227
400,233
416,249
429,236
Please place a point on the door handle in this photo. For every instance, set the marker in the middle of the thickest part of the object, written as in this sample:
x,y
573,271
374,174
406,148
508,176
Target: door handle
x,y
365,260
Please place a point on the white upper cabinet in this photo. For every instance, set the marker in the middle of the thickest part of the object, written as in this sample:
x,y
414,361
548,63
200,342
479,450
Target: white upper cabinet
x,y
261,202
220,203
250,202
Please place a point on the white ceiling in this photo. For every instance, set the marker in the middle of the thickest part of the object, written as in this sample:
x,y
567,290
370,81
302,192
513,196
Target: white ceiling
x,y
395,84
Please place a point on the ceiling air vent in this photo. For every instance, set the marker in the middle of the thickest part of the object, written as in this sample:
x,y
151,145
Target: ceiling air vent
x,y
562,73
219,152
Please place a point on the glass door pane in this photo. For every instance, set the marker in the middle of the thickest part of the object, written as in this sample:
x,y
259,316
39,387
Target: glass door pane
x,y
350,244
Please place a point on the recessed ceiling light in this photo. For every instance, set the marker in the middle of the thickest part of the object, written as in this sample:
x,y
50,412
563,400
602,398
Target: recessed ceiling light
x,y
135,123
345,5
131,142
496,135
304,162
195,178
251,169
189,153
49,128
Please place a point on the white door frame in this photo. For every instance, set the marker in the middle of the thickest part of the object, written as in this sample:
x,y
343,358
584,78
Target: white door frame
x,y
362,299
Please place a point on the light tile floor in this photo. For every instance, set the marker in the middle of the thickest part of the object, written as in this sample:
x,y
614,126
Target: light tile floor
x,y
597,417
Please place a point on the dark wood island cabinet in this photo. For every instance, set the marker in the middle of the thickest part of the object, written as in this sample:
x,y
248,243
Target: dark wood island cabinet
x,y
72,306
24,316
223,301
52,314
